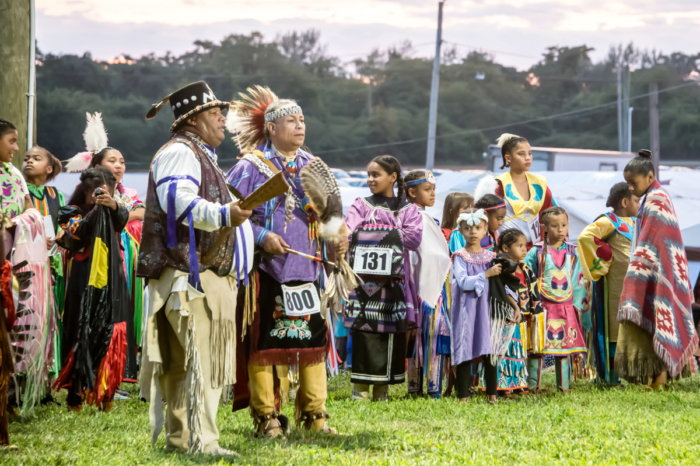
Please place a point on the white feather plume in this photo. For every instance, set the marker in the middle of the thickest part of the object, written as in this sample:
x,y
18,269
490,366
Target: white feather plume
x,y
79,163
95,134
487,185
95,137
504,138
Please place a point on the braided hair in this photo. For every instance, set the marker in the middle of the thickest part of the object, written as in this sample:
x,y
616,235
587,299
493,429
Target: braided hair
x,y
508,238
6,127
641,164
508,142
391,165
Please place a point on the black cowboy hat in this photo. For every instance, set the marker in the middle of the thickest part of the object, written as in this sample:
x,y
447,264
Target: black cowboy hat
x,y
187,102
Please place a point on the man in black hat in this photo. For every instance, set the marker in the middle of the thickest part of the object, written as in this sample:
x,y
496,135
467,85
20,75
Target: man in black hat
x,y
189,353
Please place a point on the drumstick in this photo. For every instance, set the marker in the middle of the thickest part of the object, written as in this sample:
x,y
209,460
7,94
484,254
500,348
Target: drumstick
x,y
313,258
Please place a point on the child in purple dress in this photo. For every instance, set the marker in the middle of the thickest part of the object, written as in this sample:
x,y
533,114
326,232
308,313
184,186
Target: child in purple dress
x,y
471,327
383,308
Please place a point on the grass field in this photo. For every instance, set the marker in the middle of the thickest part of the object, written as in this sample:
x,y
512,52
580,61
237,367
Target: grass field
x,y
586,426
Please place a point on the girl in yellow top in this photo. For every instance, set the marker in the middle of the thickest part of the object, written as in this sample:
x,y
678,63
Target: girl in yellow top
x,y
604,253
526,195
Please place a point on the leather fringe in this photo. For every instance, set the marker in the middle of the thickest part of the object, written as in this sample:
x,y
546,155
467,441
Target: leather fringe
x,y
195,391
250,304
638,368
222,347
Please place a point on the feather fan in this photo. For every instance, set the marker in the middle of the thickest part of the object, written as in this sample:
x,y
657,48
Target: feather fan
x,y
246,117
321,187
487,185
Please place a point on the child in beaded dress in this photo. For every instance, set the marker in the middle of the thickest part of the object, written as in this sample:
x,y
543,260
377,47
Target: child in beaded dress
x,y
556,264
431,266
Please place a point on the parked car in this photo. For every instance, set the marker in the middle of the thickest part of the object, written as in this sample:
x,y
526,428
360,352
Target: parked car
x,y
355,183
340,174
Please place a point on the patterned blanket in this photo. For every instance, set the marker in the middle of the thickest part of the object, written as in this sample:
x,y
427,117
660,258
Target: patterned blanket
x,y
656,293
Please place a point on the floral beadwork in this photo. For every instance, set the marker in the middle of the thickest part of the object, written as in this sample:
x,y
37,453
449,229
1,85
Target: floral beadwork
x,y
289,326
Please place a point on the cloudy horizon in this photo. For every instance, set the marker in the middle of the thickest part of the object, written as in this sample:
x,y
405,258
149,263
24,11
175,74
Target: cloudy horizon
x,y
516,32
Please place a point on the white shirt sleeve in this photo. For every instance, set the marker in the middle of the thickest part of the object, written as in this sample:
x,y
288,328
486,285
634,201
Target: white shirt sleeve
x,y
177,164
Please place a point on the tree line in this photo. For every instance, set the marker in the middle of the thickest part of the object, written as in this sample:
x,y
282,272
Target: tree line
x,y
377,104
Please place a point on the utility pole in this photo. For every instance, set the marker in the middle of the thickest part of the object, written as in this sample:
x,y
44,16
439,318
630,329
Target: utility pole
x,y
369,96
654,126
623,102
434,88
620,130
629,130
32,75
15,37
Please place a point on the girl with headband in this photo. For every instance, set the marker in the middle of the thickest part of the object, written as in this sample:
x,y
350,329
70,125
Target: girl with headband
x,y
495,209
431,266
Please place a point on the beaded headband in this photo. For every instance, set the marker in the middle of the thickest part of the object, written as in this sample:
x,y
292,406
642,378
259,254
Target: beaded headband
x,y
473,218
272,116
429,177
496,207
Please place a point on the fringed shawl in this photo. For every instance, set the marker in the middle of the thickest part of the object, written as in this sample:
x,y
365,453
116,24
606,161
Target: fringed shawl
x,y
656,292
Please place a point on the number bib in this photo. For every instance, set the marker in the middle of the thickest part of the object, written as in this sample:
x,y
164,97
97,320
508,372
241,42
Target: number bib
x,y
533,226
301,300
373,260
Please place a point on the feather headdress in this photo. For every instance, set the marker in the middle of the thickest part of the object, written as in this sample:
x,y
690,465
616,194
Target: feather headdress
x,y
95,137
487,185
321,187
246,117
504,138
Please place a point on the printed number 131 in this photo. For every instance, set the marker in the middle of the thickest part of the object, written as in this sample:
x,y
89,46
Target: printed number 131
x,y
370,261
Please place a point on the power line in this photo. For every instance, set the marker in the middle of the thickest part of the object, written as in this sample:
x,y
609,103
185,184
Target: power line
x,y
506,125
501,52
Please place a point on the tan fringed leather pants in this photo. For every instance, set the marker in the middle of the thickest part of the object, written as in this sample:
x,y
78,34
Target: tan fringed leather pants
x,y
177,433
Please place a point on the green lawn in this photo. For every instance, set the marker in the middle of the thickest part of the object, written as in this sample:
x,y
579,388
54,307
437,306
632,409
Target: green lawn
x,y
585,426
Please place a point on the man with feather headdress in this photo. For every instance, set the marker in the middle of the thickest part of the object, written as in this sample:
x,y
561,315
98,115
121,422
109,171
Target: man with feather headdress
x,y
290,328
190,348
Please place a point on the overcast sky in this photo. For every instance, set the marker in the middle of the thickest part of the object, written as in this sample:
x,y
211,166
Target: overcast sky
x,y
515,31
